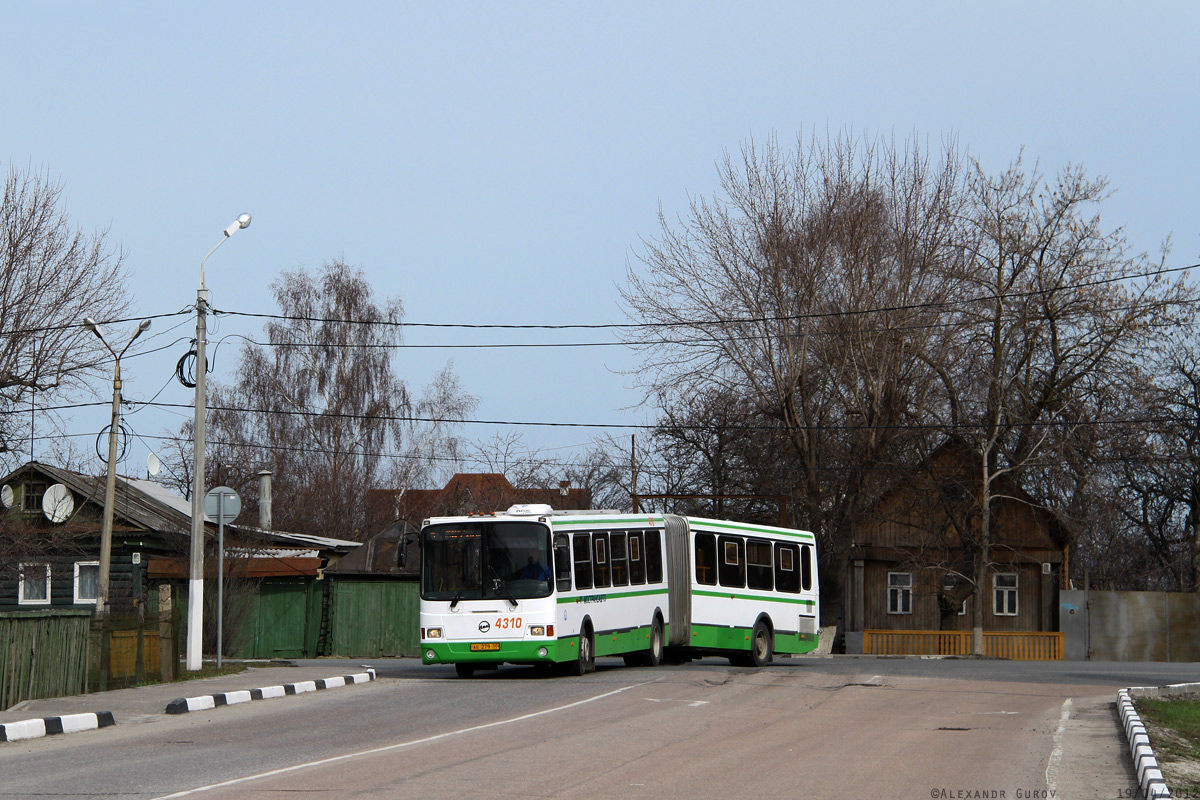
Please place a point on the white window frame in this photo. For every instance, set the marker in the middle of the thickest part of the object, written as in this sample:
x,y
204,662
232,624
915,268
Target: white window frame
x,y
899,593
25,574
1004,597
86,600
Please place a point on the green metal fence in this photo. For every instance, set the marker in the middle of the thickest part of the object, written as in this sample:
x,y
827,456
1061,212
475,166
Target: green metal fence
x,y
374,618
43,654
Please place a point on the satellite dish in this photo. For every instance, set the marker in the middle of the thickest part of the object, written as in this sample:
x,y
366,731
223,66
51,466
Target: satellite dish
x,y
153,465
57,503
6,496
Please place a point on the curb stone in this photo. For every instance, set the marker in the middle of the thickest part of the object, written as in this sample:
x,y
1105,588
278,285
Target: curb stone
x,y
204,702
49,726
1150,776
75,723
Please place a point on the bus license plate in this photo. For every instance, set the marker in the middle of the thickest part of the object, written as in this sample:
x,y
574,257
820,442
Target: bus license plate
x,y
476,647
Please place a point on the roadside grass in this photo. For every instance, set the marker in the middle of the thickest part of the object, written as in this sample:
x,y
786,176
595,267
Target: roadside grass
x,y
1174,728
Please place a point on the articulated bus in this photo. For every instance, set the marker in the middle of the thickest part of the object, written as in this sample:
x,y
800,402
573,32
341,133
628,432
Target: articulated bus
x,y
536,586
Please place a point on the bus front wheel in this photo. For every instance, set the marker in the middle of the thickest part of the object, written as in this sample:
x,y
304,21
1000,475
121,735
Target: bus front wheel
x,y
464,670
655,656
585,660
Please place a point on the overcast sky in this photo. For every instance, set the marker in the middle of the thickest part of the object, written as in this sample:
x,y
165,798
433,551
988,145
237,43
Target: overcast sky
x,y
500,162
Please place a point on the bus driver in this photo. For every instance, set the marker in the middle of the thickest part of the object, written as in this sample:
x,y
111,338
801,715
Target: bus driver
x,y
534,568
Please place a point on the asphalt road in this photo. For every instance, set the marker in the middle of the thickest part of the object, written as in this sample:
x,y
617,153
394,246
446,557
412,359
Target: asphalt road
x,y
834,727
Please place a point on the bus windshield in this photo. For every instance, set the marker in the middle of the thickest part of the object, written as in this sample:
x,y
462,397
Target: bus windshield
x,y
484,559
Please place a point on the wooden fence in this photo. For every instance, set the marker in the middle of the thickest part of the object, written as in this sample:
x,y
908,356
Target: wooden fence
x,y
130,650
1017,646
42,654
62,652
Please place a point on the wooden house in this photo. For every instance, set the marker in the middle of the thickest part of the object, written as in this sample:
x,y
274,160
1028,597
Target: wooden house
x,y
50,555
910,565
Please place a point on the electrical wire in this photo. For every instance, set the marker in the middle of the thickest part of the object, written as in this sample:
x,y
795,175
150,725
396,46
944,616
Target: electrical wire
x,y
985,298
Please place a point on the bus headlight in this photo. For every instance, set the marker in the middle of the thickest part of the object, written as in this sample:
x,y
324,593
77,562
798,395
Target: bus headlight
x,y
433,633
542,652
430,655
537,630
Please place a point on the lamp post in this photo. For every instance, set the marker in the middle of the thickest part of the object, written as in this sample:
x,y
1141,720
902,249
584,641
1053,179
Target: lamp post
x,y
110,486
195,627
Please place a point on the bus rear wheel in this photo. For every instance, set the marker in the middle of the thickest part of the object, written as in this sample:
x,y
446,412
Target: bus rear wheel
x,y
761,645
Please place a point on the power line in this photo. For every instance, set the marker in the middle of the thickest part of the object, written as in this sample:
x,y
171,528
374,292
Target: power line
x,y
720,322
68,325
615,425
531,457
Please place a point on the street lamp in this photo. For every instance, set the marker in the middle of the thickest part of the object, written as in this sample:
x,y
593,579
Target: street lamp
x,y
195,627
110,487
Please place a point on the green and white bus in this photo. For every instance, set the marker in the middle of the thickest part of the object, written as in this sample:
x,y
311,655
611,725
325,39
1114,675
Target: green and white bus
x,y
536,586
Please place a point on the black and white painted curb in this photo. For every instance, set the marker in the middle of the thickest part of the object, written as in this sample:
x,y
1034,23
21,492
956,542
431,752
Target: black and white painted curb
x,y
1150,776
74,723
204,702
48,726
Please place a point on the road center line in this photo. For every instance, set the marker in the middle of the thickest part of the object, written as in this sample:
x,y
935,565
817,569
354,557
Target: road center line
x,y
401,745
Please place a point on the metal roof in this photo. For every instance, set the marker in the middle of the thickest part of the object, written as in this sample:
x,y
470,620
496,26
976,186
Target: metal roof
x,y
156,508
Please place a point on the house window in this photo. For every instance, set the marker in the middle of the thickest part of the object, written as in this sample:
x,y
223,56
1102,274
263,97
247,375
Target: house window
x,y
32,493
1004,592
34,585
87,581
949,581
899,593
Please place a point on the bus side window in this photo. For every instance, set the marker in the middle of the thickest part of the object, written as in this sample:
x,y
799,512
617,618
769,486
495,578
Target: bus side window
x,y
759,572
620,562
706,559
583,561
637,565
654,559
600,558
787,579
806,568
732,569
562,562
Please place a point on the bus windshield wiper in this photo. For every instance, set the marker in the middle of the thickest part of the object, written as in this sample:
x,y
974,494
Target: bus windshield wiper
x,y
457,597
499,586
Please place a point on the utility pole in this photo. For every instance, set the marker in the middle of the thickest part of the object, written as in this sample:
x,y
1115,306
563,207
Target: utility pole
x,y
195,627
110,485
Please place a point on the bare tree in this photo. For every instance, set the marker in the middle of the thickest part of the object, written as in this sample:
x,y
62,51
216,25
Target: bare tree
x,y
1059,309
812,289
52,275
505,454
320,405
707,452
